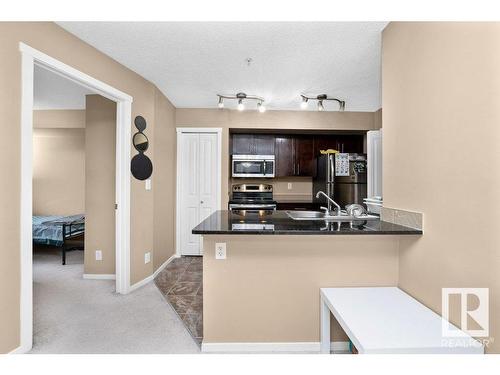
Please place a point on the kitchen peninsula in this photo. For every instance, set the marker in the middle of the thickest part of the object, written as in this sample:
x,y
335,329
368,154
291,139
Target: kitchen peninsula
x,y
280,223
266,289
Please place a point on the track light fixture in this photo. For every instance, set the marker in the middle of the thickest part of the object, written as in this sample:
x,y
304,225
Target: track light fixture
x,y
321,98
241,97
303,104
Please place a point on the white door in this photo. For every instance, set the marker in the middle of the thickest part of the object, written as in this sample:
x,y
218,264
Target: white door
x,y
198,186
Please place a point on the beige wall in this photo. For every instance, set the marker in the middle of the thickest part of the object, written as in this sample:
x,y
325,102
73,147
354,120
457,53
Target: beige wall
x,y
267,290
164,180
58,171
59,118
100,172
377,119
441,116
56,42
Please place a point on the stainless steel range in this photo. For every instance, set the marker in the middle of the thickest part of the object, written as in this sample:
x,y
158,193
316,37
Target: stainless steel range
x,y
252,197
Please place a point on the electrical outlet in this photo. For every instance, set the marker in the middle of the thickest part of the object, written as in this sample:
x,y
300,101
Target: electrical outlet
x,y
289,186
98,255
220,250
148,184
147,257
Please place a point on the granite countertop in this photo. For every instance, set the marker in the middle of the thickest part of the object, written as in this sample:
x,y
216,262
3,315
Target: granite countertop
x,y
278,222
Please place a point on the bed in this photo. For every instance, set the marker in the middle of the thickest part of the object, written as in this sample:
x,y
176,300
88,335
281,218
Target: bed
x,y
60,231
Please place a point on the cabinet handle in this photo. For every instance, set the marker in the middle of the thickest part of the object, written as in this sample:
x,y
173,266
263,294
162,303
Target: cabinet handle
x,y
298,169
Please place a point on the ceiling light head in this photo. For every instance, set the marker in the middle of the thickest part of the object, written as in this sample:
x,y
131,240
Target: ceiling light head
x,y
241,106
241,98
320,105
322,97
303,104
342,106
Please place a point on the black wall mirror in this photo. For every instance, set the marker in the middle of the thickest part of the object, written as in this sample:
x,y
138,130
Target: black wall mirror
x,y
140,142
141,166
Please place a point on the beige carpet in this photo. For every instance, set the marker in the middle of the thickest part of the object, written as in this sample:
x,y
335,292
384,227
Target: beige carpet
x,y
73,315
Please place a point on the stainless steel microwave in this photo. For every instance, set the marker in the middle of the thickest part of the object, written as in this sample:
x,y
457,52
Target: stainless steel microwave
x,y
253,166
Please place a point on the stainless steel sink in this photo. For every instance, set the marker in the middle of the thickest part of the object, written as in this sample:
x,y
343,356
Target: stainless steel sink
x,y
319,215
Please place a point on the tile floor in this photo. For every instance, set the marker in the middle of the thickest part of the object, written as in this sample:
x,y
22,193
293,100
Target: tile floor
x,y
181,284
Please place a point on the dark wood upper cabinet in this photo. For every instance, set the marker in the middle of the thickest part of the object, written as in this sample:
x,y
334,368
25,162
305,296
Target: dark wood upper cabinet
x,y
253,144
284,153
264,144
295,153
242,144
304,156
340,142
294,156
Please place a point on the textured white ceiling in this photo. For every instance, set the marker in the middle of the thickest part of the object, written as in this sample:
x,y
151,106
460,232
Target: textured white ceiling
x,y
190,62
52,91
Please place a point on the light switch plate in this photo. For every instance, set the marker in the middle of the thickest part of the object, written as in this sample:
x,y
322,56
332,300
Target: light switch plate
x,y
148,184
147,257
98,255
289,186
220,250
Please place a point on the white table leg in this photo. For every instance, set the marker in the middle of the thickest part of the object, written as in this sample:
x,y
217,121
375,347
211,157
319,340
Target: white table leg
x,y
324,327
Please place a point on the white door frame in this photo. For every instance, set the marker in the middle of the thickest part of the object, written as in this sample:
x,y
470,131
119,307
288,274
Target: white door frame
x,y
180,170
30,58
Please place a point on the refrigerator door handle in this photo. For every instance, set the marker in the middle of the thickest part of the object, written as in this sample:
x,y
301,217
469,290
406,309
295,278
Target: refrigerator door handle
x,y
331,167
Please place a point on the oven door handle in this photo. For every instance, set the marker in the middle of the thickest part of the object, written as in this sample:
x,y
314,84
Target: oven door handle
x,y
249,206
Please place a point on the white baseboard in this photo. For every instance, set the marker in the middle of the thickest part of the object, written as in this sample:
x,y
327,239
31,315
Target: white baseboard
x,y
271,347
165,264
340,347
150,278
99,276
18,350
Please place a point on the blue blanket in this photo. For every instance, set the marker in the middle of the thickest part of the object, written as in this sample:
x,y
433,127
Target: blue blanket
x,y
48,230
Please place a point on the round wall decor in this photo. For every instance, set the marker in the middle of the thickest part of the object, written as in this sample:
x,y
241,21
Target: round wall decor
x,y
141,166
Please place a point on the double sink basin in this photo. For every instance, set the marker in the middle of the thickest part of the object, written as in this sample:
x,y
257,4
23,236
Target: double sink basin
x,y
320,215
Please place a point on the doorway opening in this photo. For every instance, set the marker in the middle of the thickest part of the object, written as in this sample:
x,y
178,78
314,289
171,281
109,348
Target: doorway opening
x,y
31,58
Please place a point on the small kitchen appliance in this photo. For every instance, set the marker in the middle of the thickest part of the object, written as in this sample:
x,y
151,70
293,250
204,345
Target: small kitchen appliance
x,y
253,166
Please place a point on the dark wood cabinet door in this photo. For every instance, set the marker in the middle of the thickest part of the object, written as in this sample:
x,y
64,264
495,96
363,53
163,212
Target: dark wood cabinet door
x,y
242,144
304,156
285,158
263,144
324,142
339,142
351,143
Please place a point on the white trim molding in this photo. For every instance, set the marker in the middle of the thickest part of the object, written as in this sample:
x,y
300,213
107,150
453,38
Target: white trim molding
x,y
99,276
18,350
150,278
29,58
217,131
162,267
271,347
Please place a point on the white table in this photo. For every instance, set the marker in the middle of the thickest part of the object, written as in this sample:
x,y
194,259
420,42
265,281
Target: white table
x,y
387,320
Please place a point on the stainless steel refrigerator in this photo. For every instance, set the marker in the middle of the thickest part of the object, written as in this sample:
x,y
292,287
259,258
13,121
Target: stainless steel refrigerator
x,y
342,189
